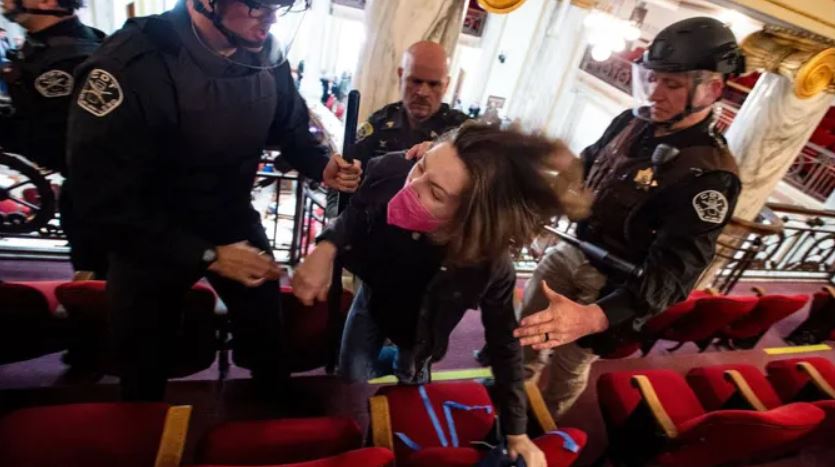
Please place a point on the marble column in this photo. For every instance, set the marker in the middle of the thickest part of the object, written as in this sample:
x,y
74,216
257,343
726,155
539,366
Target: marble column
x,y
782,111
776,121
552,64
391,27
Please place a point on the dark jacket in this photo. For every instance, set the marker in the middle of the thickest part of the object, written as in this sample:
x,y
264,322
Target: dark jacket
x,y
664,218
40,82
417,299
166,137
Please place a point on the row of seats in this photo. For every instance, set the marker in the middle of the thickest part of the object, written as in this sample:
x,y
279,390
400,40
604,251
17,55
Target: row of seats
x,y
37,318
820,323
705,318
727,414
437,425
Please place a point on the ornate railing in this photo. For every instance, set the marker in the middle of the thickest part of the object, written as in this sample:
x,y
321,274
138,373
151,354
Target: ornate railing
x,y
786,243
813,172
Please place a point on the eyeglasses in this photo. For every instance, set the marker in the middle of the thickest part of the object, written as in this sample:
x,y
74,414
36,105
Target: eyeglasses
x,y
259,10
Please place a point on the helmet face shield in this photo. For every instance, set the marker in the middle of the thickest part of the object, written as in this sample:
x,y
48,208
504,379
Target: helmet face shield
x,y
661,96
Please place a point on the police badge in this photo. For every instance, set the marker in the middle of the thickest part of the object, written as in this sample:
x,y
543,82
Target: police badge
x,y
54,83
711,206
101,93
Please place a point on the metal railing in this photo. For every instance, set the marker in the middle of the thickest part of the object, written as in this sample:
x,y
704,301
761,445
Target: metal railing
x,y
813,172
787,243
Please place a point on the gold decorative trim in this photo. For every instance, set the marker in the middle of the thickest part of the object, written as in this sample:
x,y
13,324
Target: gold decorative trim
x,y
816,75
810,65
797,11
586,4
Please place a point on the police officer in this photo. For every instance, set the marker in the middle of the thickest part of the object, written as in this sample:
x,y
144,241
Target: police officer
x,y
40,80
665,186
419,116
167,129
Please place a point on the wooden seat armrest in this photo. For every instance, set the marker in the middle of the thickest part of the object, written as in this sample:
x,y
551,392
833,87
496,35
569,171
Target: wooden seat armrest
x,y
381,434
744,389
650,397
539,408
174,433
820,383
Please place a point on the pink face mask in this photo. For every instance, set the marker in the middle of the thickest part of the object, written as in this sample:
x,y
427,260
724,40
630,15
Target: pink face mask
x,y
406,212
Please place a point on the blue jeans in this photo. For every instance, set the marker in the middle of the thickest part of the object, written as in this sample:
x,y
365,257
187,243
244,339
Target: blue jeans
x,y
362,340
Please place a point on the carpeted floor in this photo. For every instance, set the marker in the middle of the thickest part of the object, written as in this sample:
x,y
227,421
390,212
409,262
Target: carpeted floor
x,y
45,380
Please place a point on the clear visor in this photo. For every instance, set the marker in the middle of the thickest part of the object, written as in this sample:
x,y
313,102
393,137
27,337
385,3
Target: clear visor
x,y
647,86
280,24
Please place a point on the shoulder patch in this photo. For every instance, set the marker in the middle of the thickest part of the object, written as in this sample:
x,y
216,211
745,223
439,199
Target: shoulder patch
x,y
711,206
365,130
54,83
101,94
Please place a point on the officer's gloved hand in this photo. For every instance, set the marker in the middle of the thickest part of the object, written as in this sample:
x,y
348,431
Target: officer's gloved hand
x,y
341,175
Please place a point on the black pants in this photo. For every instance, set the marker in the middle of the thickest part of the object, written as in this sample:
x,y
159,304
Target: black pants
x,y
86,250
147,312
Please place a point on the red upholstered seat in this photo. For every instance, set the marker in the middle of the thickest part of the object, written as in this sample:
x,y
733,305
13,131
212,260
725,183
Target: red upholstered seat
x,y
88,310
368,457
691,436
409,422
793,384
658,324
769,310
307,329
278,441
29,324
716,391
709,316
83,435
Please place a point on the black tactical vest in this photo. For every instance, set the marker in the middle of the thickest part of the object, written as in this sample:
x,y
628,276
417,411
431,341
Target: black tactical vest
x,y
621,220
222,128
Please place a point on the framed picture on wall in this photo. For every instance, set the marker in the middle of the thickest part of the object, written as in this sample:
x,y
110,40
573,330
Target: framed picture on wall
x,y
495,103
475,19
360,4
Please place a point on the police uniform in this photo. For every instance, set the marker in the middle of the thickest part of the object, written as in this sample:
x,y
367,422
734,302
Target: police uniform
x,y
40,79
165,140
664,217
388,130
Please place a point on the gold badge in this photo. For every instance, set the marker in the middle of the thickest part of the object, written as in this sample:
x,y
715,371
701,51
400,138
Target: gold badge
x,y
645,179
364,131
389,124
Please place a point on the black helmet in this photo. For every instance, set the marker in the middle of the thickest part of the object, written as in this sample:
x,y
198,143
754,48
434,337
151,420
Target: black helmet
x,y
695,44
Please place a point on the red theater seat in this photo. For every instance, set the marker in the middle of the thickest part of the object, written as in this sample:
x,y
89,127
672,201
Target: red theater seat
x,y
803,379
307,329
746,331
29,323
709,316
368,457
88,310
653,417
464,413
731,386
658,324
745,387
309,442
92,435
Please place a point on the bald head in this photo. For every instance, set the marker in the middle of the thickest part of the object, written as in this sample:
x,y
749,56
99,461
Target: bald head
x,y
424,77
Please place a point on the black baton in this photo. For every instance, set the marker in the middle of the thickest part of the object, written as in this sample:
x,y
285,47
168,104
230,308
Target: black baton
x,y
597,253
335,318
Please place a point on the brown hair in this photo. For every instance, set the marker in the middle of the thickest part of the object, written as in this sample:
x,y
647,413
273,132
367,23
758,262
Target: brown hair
x,y
515,190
